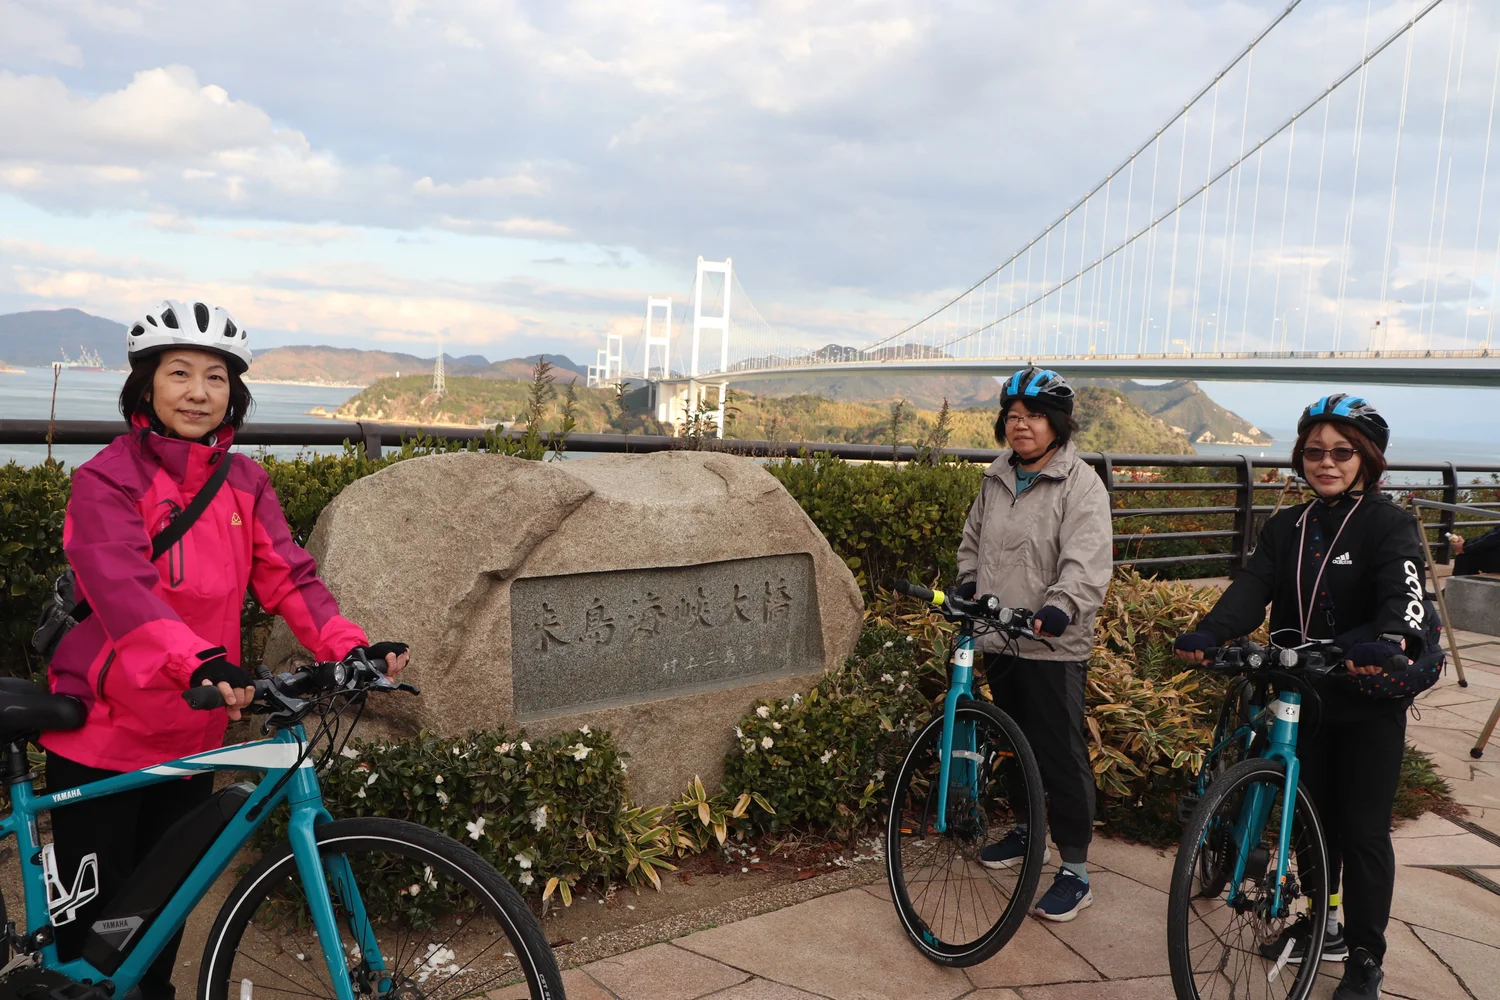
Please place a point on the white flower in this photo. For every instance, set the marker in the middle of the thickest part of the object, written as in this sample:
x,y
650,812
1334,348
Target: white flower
x,y
906,673
585,730
373,776
879,775
526,878
442,797
413,889
827,756
624,767
438,778
476,828
359,794
796,699
526,746
578,751
764,711
503,748
900,687
908,638
776,726
887,678
888,644
738,733
349,752
539,817
523,861
767,743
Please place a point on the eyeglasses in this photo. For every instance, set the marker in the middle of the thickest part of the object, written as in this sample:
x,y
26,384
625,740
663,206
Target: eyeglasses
x,y
1315,455
1012,419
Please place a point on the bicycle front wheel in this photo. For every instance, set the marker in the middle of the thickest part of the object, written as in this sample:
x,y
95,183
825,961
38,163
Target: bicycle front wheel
x,y
420,915
956,910
1230,939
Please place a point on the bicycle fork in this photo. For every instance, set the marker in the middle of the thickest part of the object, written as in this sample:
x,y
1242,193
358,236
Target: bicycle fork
x,y
955,735
1285,712
323,880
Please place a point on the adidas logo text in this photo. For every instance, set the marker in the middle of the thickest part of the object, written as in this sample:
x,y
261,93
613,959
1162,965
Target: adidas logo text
x,y
1343,559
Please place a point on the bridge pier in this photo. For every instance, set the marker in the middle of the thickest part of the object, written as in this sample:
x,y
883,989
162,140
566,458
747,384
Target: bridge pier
x,y
675,402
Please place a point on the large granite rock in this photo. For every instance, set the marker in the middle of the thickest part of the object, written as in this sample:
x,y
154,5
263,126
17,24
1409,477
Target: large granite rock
x,y
656,596
1474,603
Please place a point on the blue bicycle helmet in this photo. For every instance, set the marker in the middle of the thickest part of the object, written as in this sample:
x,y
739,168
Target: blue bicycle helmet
x,y
1037,387
1341,408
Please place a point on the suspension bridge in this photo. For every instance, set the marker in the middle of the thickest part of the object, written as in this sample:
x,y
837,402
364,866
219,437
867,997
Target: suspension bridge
x,y
1320,210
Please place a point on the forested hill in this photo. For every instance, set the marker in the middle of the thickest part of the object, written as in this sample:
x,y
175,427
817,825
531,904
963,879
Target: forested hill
x,y
352,366
1109,421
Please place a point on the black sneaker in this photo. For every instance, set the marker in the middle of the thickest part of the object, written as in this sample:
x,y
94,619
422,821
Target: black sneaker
x,y
1334,948
1362,977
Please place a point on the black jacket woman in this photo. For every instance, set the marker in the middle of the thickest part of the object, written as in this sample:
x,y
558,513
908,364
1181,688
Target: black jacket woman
x,y
1345,566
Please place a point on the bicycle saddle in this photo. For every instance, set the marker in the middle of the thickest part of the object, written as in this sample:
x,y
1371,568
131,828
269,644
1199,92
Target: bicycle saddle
x,y
26,708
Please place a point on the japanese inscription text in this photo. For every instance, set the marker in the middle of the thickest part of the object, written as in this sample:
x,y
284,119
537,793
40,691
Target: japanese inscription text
x,y
598,637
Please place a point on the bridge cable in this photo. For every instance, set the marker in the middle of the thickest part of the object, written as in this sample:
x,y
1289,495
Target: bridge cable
x,y
1479,215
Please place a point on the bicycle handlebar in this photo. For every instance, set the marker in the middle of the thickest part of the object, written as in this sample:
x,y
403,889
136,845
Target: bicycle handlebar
x,y
289,691
1250,656
986,609
934,597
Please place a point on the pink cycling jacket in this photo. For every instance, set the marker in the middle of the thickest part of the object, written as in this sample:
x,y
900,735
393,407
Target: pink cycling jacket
x,y
130,660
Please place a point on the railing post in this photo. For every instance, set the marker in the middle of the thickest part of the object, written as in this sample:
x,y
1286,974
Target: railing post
x,y
1244,518
371,436
1450,495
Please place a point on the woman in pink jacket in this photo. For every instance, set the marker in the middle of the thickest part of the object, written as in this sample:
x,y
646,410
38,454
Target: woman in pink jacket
x,y
156,628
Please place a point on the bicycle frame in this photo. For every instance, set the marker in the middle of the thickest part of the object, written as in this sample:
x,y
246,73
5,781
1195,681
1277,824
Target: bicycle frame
x,y
275,757
1284,714
959,688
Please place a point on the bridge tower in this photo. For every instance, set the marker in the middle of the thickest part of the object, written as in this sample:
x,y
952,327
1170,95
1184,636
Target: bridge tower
x,y
720,322
609,362
439,382
652,340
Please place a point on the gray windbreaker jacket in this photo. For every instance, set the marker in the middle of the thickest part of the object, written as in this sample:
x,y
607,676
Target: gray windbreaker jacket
x,y
1051,545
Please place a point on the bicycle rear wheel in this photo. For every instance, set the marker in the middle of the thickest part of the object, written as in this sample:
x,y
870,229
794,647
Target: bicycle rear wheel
x,y
955,910
1224,941
445,924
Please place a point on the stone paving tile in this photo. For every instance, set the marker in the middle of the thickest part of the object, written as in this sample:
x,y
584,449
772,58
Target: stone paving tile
x,y
846,946
1144,864
1468,849
1427,898
759,989
578,984
1411,970
1149,988
1426,825
993,995
663,972
1034,956
1448,695
1478,965
1123,933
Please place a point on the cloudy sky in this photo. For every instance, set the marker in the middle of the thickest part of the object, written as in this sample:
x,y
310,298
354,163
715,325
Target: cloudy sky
x,y
521,175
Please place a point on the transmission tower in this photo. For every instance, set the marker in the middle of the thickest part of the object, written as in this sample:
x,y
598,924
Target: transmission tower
x,y
439,385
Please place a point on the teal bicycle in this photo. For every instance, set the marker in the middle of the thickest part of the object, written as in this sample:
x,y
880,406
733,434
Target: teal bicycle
x,y
1249,895
356,908
969,778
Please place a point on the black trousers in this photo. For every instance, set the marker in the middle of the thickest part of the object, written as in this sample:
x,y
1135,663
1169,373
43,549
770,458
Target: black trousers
x,y
120,830
1350,751
1046,698
1481,555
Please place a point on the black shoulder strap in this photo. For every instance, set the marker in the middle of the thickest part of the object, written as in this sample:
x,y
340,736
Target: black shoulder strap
x,y
183,521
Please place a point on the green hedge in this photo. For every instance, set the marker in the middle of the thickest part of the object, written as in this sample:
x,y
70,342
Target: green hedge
x,y
33,500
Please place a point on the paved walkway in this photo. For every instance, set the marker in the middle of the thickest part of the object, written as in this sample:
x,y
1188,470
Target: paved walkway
x,y
1444,934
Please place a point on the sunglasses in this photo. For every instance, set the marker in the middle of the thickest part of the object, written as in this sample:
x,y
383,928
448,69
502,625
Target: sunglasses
x,y
1315,455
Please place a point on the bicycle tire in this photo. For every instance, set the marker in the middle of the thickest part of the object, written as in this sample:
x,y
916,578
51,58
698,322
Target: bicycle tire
x,y
1233,714
440,856
917,928
1230,790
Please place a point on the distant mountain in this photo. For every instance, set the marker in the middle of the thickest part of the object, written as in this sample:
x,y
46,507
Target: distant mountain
x,y
1186,407
39,338
353,366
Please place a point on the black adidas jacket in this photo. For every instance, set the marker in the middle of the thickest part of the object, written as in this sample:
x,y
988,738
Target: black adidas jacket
x,y
1373,580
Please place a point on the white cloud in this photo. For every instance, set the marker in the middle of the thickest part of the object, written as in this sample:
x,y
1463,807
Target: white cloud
x,y
28,35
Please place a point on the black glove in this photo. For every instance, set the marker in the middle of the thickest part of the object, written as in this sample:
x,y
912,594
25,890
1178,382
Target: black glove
x,y
377,652
1372,654
1195,642
214,667
967,591
1054,620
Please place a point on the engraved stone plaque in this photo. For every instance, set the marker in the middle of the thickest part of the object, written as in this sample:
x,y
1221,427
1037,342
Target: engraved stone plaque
x,y
633,635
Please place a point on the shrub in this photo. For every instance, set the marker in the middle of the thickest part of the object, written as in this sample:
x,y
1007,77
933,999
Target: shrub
x,y
1422,789
821,762
33,500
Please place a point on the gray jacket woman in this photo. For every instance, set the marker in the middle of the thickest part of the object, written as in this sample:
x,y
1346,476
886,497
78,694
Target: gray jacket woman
x,y
1039,536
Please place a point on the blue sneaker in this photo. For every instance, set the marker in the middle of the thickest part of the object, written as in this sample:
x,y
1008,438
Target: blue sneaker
x,y
1009,851
1068,895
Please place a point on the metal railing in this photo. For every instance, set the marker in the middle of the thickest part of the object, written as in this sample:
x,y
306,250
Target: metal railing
x,y
1245,510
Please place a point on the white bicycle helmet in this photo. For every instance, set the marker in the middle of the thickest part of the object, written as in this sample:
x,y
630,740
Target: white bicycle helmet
x,y
173,324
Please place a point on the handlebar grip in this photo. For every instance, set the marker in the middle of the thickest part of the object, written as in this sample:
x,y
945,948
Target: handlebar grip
x,y
1397,664
933,597
203,698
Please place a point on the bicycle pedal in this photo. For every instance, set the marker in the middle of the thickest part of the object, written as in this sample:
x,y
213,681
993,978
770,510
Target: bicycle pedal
x,y
1187,805
35,983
